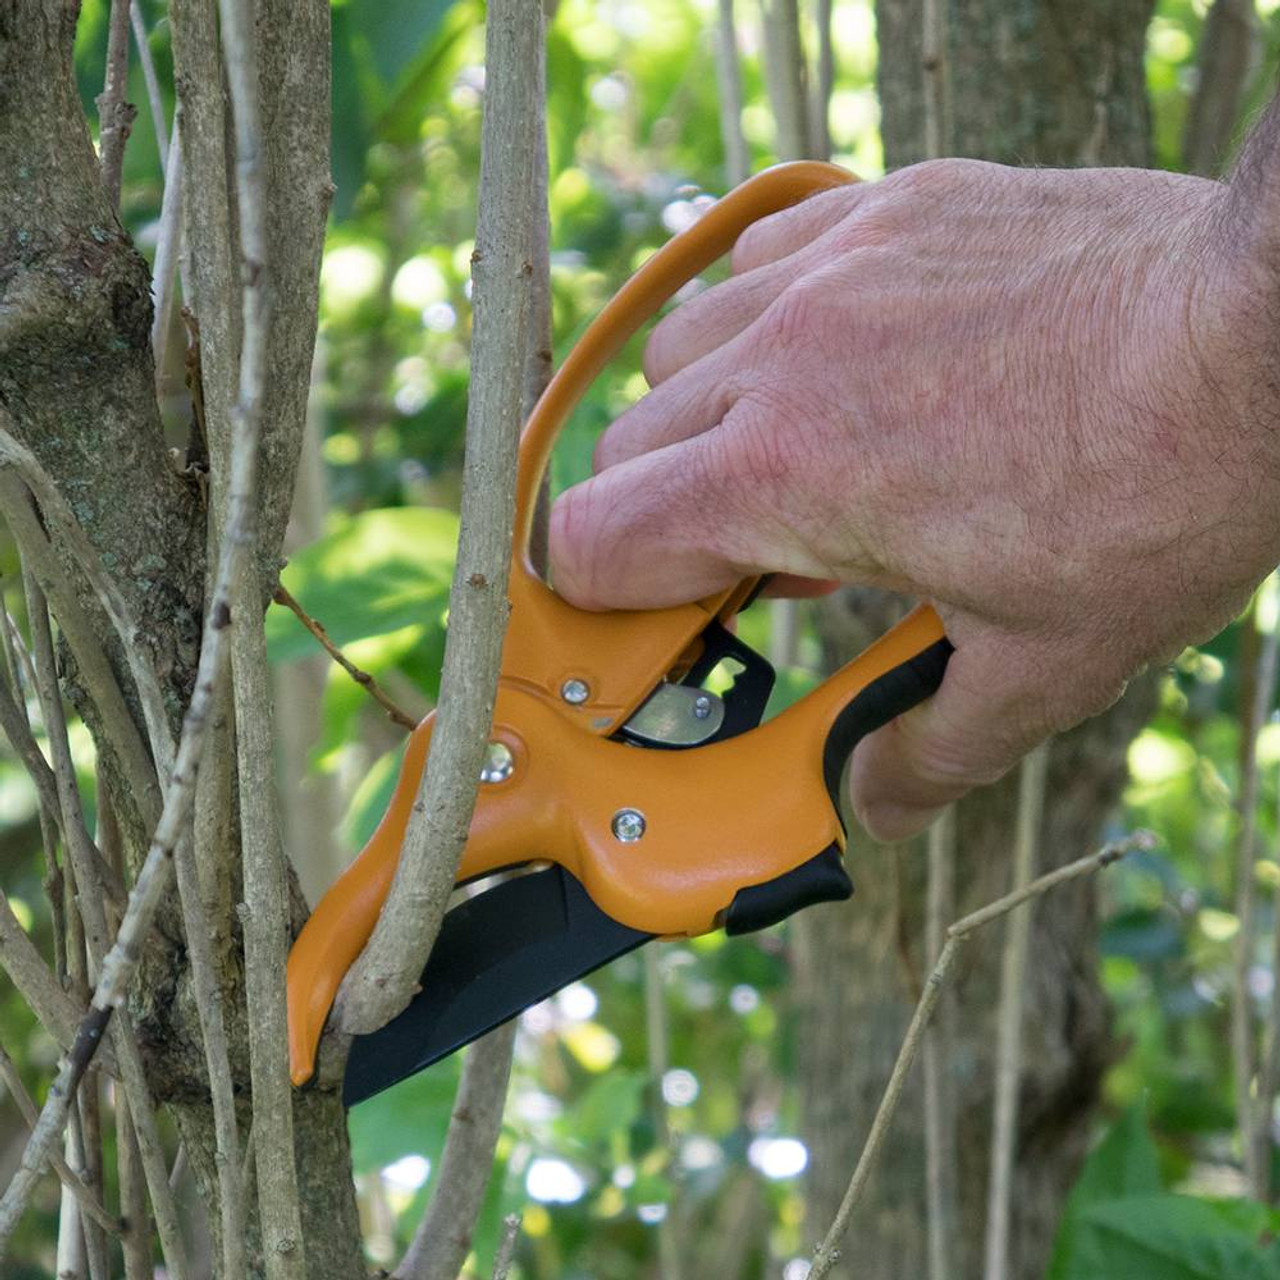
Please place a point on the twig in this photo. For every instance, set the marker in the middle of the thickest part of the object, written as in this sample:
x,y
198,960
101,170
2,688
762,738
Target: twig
x,y
443,1239
155,98
729,79
824,83
62,520
828,1252
84,1197
361,677
13,721
168,260
35,981
659,1058
115,115
1243,1043
265,917
89,1110
785,77
198,926
1228,48
939,1101
506,1246
136,1242
82,635
382,981
1013,985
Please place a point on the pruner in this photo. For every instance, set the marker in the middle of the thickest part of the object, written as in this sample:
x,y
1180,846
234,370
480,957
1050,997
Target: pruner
x,y
634,801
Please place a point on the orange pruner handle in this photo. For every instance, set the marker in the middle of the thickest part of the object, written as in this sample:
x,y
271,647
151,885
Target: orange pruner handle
x,y
726,821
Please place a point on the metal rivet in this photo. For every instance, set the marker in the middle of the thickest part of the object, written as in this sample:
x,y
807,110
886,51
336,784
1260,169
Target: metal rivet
x,y
701,707
628,825
575,692
499,763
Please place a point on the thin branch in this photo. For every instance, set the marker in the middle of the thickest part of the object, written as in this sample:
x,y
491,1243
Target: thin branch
x,y
155,98
265,915
83,636
737,162
136,1242
360,676
35,981
785,77
824,83
89,1203
659,1060
383,980
89,1110
1229,45
443,1239
1013,987
61,519
506,1246
1243,1031
828,1252
115,115
939,1100
14,723
168,260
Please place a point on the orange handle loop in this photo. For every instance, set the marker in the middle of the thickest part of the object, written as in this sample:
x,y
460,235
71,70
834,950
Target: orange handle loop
x,y
655,283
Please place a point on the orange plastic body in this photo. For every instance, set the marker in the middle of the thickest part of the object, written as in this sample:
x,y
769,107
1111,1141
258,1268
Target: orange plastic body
x,y
718,818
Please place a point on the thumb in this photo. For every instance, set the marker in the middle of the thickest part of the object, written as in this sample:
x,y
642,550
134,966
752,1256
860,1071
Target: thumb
x,y
999,699
654,530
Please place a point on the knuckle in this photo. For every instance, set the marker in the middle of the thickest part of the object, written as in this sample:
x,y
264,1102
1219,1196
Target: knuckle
x,y
753,246
938,179
794,319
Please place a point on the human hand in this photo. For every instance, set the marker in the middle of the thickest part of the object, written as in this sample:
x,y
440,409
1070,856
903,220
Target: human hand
x,y
1031,397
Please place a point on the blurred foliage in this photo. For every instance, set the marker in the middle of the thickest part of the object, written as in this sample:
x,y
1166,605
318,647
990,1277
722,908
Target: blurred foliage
x,y
634,153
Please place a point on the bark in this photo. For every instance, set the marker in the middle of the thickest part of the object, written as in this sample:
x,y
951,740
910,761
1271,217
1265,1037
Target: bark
x,y
77,380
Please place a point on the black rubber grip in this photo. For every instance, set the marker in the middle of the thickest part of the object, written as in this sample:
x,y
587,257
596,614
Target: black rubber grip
x,y
821,879
881,701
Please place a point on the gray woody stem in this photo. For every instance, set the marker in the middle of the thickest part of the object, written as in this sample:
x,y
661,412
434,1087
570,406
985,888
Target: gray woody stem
x,y
828,1251
383,980
1013,985
443,1239
115,115
265,912
1243,1031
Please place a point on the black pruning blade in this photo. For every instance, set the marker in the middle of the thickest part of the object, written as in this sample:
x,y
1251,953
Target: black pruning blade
x,y
497,953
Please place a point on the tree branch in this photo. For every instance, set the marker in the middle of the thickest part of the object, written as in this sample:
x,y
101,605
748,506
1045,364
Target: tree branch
x,y
383,980
828,1252
1244,1052
115,115
363,678
506,1247
1013,985
737,162
443,1238
85,1198
155,99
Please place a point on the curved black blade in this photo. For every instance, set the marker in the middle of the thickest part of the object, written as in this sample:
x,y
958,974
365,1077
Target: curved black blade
x,y
497,954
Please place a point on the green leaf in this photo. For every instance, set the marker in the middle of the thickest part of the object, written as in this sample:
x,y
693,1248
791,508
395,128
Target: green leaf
x,y
611,1103
1124,1164
380,1133
1142,934
1170,1237
377,572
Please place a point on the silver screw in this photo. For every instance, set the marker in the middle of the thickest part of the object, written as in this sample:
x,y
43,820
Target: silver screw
x,y
575,692
701,707
499,763
628,825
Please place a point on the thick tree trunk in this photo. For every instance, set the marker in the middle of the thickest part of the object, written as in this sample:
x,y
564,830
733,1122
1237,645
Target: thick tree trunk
x,y
1040,82
77,382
